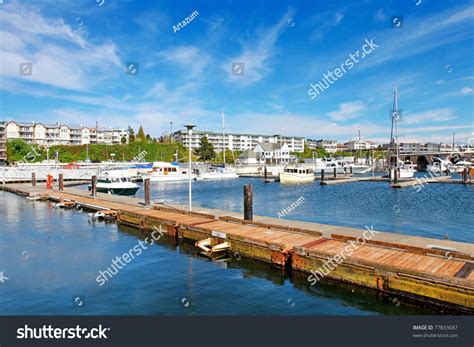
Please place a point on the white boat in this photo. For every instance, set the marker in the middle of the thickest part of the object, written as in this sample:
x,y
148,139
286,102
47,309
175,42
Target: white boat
x,y
167,172
358,168
218,173
116,182
459,166
296,174
439,165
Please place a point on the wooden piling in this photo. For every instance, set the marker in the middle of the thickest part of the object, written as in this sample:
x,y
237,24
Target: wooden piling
x,y
94,186
33,179
335,173
395,175
322,175
345,170
265,173
350,168
61,181
147,192
248,202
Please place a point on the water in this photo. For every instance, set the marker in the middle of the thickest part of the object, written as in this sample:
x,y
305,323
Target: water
x,y
53,256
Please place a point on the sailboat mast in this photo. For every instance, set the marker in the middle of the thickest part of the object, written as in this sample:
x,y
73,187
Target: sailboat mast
x,y
396,116
223,133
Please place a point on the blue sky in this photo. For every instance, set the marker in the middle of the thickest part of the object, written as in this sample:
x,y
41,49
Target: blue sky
x,y
79,50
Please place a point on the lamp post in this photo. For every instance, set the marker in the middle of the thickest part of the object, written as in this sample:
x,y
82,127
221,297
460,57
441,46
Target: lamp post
x,y
190,133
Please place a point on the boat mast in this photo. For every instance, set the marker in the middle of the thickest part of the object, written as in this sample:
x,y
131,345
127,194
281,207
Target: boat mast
x,y
223,133
396,115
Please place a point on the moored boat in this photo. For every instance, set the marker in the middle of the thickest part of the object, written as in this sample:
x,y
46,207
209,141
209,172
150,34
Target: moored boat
x,y
296,174
116,182
165,172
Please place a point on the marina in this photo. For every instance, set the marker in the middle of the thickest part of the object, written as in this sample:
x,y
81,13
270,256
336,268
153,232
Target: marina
x,y
438,271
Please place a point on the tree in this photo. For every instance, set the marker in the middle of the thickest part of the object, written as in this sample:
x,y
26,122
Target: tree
x,y
123,140
131,134
149,138
206,149
141,135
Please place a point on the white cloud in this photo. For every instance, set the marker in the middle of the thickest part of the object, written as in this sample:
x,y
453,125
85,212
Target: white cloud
x,y
61,57
256,57
437,115
347,110
380,16
189,58
467,91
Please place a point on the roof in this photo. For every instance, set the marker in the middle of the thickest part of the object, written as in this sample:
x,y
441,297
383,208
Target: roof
x,y
268,147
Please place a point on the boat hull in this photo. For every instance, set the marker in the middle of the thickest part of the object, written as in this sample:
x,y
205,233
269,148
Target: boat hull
x,y
286,177
117,191
168,178
218,176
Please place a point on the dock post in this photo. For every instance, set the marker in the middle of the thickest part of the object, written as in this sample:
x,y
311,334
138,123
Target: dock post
x,y
248,202
335,173
147,191
464,175
350,169
94,186
265,173
395,175
345,170
33,179
322,175
61,181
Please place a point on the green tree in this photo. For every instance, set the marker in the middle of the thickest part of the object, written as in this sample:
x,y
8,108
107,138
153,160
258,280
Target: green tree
x,y
131,134
141,135
123,140
149,139
206,149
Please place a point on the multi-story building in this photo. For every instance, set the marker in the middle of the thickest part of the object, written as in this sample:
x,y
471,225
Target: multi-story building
x,y
62,134
359,145
3,146
237,142
329,145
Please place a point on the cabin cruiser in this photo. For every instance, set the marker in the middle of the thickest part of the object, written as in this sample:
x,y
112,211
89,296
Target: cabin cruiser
x,y
296,174
116,182
459,166
328,165
165,172
218,173
439,165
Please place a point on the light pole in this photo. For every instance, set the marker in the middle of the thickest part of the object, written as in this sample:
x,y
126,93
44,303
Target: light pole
x,y
190,133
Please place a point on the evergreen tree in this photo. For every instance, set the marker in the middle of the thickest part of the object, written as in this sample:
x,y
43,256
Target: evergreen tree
x,y
206,149
141,135
131,134
123,140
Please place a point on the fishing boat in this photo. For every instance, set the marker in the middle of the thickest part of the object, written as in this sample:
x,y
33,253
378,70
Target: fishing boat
x,y
296,174
116,182
166,172
218,173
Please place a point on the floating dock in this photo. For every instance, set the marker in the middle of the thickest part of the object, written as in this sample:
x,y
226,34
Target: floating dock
x,y
437,273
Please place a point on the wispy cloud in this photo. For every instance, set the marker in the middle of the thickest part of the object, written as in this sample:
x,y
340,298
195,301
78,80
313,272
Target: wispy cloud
x,y
189,59
467,91
347,110
61,56
438,115
256,56
324,22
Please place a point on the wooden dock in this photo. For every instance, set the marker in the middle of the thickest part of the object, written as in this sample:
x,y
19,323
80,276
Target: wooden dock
x,y
438,273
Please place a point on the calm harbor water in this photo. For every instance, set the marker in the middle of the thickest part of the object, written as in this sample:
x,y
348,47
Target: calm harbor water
x,y
52,256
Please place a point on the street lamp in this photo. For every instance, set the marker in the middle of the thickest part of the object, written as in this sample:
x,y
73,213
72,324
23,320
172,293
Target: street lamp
x,y
190,133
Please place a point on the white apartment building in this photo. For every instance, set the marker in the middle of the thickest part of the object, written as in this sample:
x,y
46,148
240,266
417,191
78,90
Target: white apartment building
x,y
359,145
62,134
237,142
329,145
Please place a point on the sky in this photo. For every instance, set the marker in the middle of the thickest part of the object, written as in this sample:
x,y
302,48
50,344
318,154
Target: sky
x,y
83,54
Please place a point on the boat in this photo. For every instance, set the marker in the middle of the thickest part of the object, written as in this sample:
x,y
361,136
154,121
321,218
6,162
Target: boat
x,y
116,182
166,172
439,165
296,174
459,167
218,173
395,165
